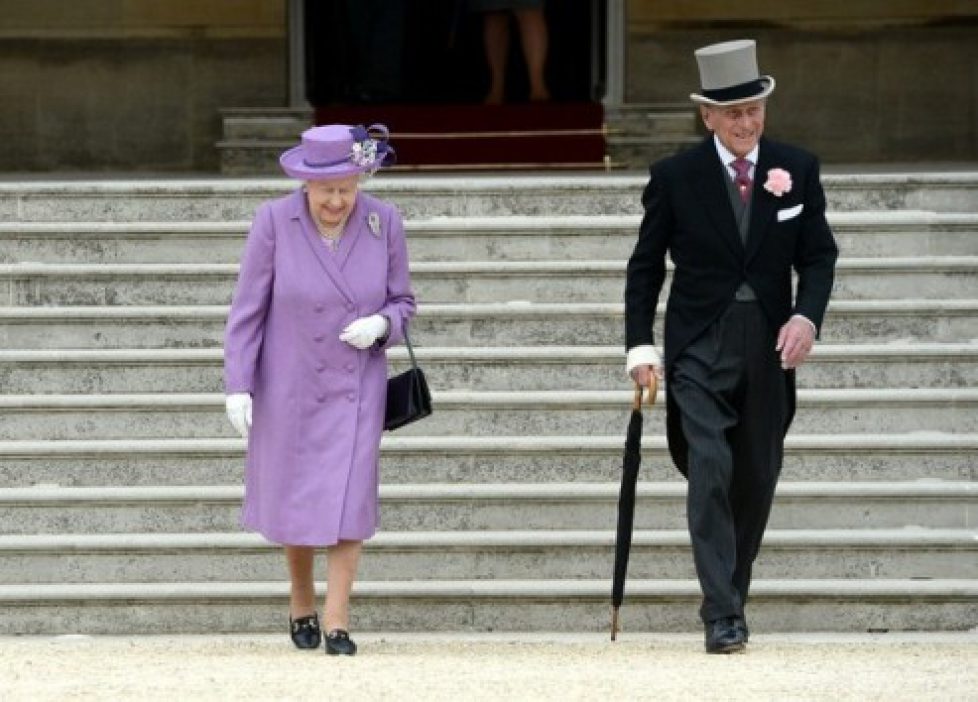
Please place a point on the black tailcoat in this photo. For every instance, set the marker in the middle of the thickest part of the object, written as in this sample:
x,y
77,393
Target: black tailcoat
x,y
689,216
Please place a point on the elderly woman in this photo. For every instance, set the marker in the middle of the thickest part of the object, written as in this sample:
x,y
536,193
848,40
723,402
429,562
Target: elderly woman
x,y
323,291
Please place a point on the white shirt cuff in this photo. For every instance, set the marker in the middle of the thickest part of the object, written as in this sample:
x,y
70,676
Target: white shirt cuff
x,y
801,316
642,356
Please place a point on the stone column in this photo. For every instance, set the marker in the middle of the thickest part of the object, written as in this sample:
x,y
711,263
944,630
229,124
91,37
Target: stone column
x,y
297,55
616,43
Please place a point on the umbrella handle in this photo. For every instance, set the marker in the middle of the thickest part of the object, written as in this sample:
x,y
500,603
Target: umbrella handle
x,y
653,388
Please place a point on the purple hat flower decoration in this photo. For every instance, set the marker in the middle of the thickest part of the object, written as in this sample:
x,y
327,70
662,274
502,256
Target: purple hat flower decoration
x,y
338,151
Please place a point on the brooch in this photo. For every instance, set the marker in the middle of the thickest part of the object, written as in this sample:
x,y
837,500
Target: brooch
x,y
373,221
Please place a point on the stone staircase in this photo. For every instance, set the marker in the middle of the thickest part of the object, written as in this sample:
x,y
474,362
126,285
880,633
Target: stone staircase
x,y
120,477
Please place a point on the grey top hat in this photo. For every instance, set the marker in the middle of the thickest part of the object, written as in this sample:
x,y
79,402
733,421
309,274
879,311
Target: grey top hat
x,y
728,74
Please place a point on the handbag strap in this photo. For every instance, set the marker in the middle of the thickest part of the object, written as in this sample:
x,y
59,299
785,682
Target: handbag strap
x,y
415,386
407,342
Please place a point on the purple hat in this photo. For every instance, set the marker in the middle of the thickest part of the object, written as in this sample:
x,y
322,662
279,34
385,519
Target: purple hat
x,y
337,151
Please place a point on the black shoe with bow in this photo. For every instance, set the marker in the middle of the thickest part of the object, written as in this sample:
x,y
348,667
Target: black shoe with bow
x,y
725,636
339,643
305,631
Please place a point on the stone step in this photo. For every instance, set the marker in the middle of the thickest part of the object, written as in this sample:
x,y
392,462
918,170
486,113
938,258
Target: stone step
x,y
663,119
452,507
106,371
237,199
496,459
491,555
656,118
498,238
636,151
122,242
612,237
476,413
260,157
795,604
228,199
255,124
463,324
32,284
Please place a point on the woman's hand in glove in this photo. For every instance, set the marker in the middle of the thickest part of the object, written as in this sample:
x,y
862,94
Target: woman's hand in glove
x,y
238,407
364,332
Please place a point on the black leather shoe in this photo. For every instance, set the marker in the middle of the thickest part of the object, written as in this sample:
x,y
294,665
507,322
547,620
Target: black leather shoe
x,y
305,631
741,625
339,643
723,636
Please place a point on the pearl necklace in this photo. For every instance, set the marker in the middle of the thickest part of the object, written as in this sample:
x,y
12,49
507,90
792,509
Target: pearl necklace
x,y
331,235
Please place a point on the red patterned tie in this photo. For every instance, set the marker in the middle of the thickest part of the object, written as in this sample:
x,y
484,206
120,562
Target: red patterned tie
x,y
742,179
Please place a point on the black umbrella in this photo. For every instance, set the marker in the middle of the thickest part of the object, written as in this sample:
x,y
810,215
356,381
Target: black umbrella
x,y
626,500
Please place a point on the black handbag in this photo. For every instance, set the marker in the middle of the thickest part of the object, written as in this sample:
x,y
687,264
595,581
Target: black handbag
x,y
408,398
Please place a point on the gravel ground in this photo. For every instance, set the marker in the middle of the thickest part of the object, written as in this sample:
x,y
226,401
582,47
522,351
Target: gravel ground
x,y
475,667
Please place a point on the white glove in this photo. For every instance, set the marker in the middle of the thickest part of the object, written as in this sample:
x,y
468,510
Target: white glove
x,y
238,407
364,332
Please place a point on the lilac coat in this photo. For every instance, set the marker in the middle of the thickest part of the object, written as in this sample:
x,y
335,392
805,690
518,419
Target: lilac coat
x,y
311,474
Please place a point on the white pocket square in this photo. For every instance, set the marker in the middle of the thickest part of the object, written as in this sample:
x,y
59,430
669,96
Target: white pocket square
x,y
789,212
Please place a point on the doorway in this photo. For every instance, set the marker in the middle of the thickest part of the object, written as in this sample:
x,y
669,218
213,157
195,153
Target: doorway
x,y
432,52
420,67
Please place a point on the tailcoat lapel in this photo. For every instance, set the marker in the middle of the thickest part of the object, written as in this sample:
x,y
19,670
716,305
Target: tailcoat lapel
x,y
763,203
712,191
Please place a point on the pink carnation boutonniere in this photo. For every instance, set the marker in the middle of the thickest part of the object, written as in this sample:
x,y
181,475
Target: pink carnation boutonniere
x,y
778,182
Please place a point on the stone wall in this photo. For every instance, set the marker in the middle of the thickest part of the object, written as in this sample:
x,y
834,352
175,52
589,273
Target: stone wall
x,y
861,88
90,85
136,85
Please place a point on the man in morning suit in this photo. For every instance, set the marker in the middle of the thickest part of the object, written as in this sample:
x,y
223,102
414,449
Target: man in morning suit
x,y
736,214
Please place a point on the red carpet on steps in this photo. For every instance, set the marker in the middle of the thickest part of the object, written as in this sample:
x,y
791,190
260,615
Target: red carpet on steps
x,y
518,135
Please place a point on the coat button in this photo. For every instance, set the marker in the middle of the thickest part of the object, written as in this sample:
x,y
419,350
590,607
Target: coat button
x,y
351,397
318,338
320,368
350,367
318,308
321,399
